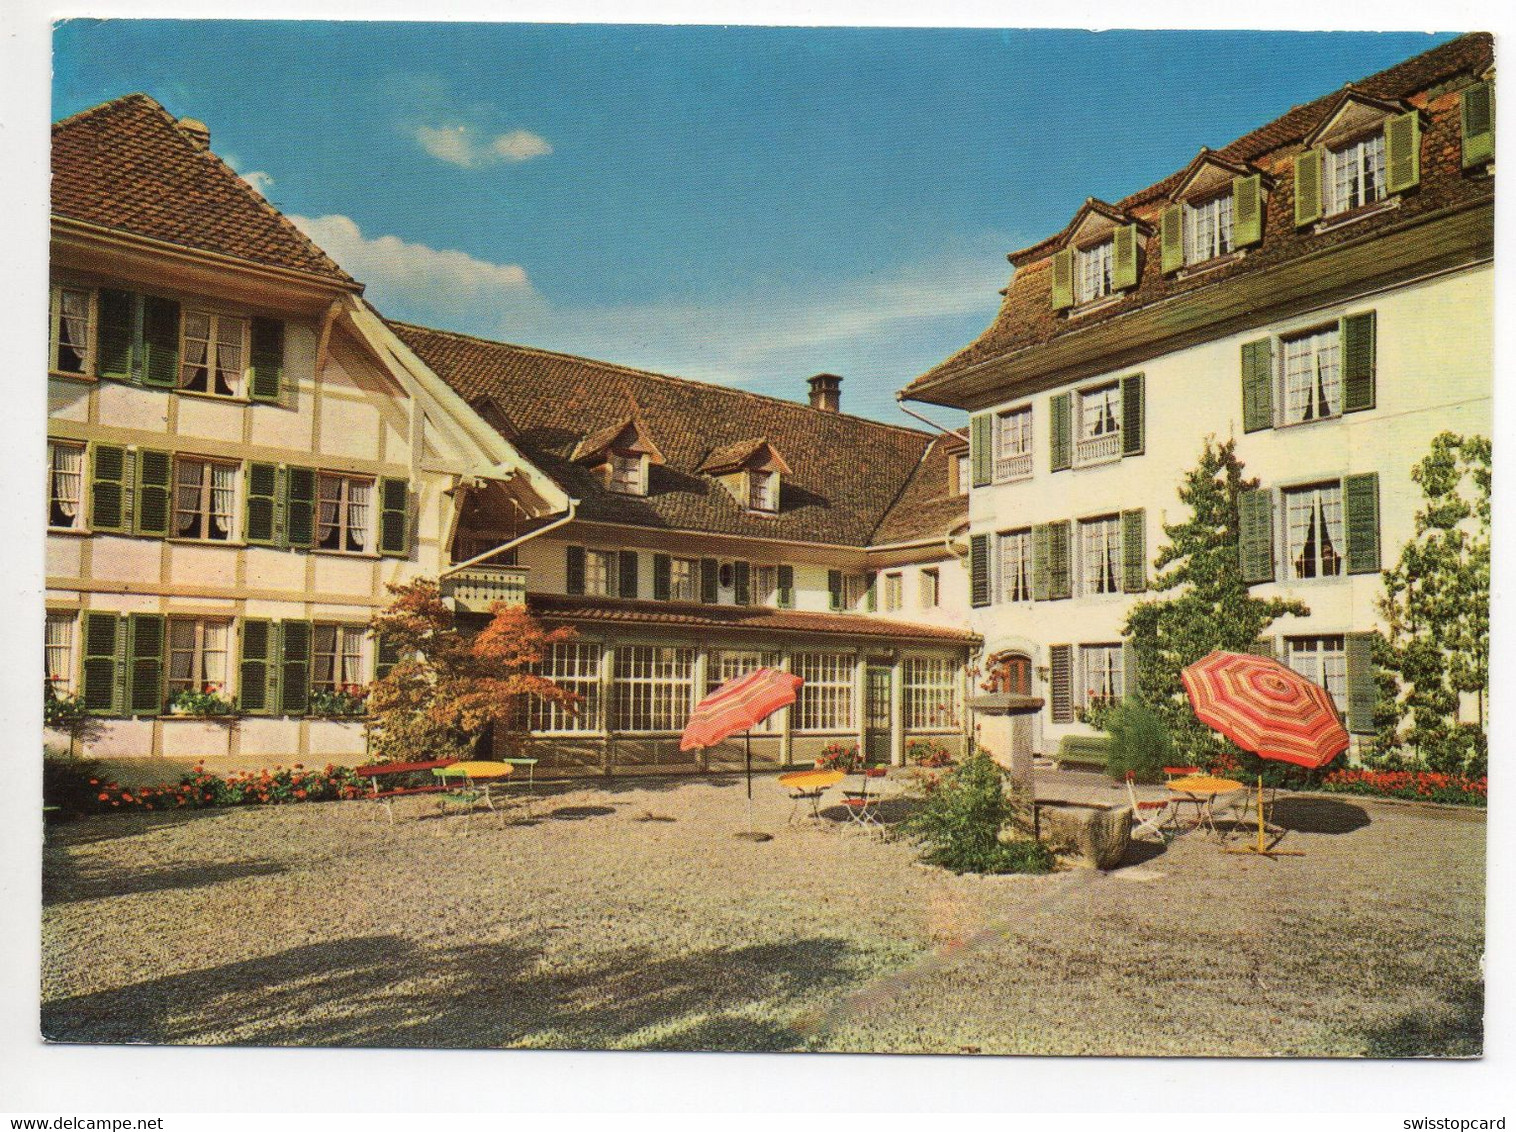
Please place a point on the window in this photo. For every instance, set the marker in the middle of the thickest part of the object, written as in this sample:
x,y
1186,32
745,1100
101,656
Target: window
x,y
1100,545
73,319
343,514
212,353
1093,272
931,588
763,491
574,667
1312,376
931,687
58,652
1016,565
825,702
1099,424
337,658
205,497
1208,231
653,687
1313,522
894,592
728,664
1013,444
1355,174
1104,681
628,473
196,656
684,579
65,486
765,584
961,474
1324,661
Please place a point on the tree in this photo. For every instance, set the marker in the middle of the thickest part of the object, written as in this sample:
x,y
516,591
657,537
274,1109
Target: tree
x,y
1208,606
1437,608
448,687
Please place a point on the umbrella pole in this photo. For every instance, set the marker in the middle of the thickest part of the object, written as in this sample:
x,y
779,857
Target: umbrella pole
x,y
750,834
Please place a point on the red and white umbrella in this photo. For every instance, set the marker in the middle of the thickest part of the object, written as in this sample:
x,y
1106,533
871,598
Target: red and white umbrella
x,y
1266,708
740,705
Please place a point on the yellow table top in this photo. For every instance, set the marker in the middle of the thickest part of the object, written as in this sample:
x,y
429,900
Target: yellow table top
x,y
480,770
812,778
1205,784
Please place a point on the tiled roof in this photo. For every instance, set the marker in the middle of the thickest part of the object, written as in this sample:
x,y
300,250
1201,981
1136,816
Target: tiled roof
x,y
732,455
127,165
846,471
929,507
686,615
1026,316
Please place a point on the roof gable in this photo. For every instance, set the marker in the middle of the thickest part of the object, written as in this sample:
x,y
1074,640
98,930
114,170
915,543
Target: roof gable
x,y
754,454
1209,173
1353,113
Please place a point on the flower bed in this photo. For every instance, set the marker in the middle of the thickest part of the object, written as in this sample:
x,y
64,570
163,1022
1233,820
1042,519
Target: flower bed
x,y
1425,786
243,788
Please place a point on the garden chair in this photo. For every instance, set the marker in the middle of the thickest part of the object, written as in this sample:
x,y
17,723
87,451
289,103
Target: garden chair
x,y
1149,817
464,796
863,805
1172,772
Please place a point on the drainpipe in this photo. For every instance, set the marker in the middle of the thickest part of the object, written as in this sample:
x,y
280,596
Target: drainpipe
x,y
568,517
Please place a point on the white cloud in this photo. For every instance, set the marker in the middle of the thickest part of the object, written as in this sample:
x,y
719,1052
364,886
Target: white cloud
x,y
459,145
261,181
444,287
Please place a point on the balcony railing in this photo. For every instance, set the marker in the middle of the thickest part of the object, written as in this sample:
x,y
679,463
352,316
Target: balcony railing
x,y
1098,449
478,588
1017,467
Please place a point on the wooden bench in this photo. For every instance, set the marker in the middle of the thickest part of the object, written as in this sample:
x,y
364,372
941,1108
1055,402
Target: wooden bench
x,y
380,791
1083,750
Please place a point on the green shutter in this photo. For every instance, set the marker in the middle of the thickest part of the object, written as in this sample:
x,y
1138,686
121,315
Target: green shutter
x,y
1360,501
1124,258
299,507
1041,576
786,587
103,663
1477,117
154,495
262,497
1133,415
573,571
116,339
742,590
1128,670
1263,646
144,678
662,569
295,667
1357,332
981,455
871,592
1063,279
1061,682
108,483
1061,422
1060,574
1134,552
626,584
834,589
1258,385
253,671
1255,520
160,342
267,358
1247,210
386,656
979,570
1363,694
1402,152
1171,238
394,517
710,581
1307,187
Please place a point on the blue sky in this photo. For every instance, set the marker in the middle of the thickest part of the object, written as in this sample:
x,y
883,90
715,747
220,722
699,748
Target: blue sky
x,y
743,205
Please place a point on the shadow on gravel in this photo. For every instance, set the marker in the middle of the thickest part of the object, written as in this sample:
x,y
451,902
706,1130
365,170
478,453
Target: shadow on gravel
x,y
1317,815
63,883
383,990
1455,1031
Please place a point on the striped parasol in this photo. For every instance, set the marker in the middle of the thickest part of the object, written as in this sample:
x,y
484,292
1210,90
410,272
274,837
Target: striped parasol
x,y
1266,708
739,705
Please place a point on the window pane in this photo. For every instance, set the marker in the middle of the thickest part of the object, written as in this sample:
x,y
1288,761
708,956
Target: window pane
x,y
575,668
72,331
66,485
58,652
654,687
825,701
931,687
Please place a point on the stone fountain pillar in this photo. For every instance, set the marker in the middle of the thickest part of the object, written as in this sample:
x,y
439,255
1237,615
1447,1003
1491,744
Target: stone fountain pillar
x,y
1003,727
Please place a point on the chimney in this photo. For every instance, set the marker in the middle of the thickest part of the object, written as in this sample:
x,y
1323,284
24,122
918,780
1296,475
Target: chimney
x,y
826,392
197,132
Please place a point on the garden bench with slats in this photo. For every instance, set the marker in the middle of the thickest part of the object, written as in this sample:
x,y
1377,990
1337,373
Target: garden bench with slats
x,y
378,791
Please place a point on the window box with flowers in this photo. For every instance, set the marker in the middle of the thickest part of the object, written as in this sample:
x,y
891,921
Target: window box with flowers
x,y
346,701
202,703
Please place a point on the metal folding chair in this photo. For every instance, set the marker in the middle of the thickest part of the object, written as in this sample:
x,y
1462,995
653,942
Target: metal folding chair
x,y
1148,817
863,805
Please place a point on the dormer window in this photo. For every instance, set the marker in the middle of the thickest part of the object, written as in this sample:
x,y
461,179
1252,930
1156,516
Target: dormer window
x,y
1217,209
620,456
763,490
1365,152
750,471
1354,174
1208,229
628,473
1098,258
1093,280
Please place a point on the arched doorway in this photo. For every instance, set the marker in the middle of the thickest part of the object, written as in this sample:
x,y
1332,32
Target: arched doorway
x,y
1010,672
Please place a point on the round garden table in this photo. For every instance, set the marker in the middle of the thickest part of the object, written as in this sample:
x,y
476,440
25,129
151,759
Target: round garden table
x,y
1202,790
809,784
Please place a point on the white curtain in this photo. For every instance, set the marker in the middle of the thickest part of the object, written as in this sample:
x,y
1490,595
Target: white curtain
x,y
223,495
68,470
357,514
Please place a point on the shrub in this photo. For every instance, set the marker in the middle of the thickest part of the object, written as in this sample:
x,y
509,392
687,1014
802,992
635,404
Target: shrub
x,y
927,753
1140,743
70,783
202,788
839,756
960,820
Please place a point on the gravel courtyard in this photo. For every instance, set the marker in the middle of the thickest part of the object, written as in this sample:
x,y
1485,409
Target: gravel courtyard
x,y
627,916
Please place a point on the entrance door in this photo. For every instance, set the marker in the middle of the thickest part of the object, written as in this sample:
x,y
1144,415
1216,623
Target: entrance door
x,y
876,714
